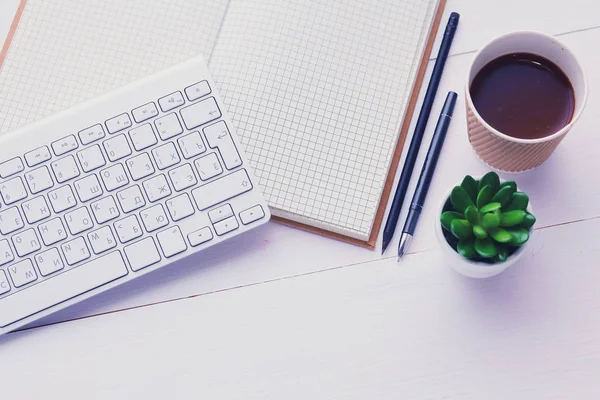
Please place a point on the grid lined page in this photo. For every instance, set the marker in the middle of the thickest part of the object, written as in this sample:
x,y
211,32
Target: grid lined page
x,y
67,51
317,90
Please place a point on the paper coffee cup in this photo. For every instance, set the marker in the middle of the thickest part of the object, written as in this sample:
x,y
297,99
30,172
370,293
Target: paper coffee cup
x,y
506,153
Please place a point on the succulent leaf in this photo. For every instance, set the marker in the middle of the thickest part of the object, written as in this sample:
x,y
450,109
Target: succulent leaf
x,y
461,228
504,196
519,201
486,248
512,218
472,215
489,207
512,184
519,236
484,196
490,220
466,248
528,221
502,254
447,217
492,179
470,186
460,199
480,232
501,235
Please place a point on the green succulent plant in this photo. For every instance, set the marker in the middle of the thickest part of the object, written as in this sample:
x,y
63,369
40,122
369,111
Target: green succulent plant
x,y
487,220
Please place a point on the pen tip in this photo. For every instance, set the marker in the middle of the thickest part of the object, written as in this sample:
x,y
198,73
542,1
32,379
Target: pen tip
x,y
383,247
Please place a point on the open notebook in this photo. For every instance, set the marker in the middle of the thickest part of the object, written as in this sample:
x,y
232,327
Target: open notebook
x,y
320,91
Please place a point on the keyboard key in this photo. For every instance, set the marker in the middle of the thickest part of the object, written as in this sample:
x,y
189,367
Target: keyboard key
x,y
226,226
91,134
38,156
171,241
131,199
168,126
165,155
62,199
144,112
117,147
218,137
252,214
157,188
154,218
114,177
140,166
39,180
180,207
11,167
21,274
200,236
76,251
36,209
200,113
105,209
142,137
79,220
208,166
6,256
4,285
182,177
49,262
191,145
197,90
222,189
52,231
26,242
13,190
91,158
118,123
102,240
142,254
64,145
220,213
10,220
171,101
65,169
88,188
128,229
62,287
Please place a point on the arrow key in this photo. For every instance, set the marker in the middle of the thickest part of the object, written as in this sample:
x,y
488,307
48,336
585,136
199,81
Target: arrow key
x,y
252,214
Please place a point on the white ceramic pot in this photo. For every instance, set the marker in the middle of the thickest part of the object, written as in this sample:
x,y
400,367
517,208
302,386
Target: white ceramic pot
x,y
470,268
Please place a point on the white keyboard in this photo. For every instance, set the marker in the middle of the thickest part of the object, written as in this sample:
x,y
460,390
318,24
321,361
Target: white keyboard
x,y
117,187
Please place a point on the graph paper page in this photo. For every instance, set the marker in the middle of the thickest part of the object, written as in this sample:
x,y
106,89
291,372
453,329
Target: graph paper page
x,y
317,90
67,51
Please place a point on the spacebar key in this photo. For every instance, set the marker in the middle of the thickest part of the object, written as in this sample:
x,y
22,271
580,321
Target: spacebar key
x,y
222,189
61,288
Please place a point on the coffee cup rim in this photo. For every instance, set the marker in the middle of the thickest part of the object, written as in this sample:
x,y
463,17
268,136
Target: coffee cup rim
x,y
558,133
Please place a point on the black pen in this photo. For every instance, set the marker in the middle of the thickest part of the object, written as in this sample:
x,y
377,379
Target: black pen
x,y
415,143
416,205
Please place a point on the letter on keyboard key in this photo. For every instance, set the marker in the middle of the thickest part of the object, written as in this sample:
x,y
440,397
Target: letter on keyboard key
x,y
88,188
79,220
157,188
165,155
182,177
180,207
140,166
65,169
26,242
105,209
4,285
36,209
62,199
142,137
222,189
142,254
38,156
62,287
154,217
218,136
114,177
102,239
10,220
191,145
6,254
21,274
52,231
131,199
49,262
13,190
208,166
11,167
171,241
128,229
75,251
200,113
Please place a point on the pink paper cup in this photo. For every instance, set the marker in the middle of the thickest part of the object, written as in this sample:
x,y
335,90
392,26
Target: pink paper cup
x,y
503,152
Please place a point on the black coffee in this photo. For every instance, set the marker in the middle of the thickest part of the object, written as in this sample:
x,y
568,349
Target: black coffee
x,y
523,95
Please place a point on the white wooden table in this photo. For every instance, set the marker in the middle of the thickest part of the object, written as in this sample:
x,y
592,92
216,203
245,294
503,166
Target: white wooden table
x,y
284,314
